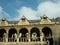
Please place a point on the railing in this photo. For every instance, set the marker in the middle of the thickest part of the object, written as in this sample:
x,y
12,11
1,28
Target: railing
x,y
12,40
22,39
35,39
2,40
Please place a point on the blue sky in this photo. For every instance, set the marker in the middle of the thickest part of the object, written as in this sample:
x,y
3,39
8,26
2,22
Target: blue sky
x,y
31,9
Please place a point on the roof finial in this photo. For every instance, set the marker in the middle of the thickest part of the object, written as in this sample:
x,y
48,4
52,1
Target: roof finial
x,y
23,17
44,16
3,18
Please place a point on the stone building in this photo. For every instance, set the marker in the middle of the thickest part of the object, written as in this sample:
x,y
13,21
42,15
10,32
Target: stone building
x,y
44,31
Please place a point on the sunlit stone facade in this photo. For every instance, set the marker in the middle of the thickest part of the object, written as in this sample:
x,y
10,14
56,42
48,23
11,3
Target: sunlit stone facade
x,y
44,31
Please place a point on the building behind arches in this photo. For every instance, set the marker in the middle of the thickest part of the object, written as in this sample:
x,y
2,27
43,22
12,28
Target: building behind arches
x,y
44,31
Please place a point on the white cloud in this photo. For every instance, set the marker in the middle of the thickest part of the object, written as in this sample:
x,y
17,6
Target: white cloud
x,y
3,13
49,8
27,12
45,7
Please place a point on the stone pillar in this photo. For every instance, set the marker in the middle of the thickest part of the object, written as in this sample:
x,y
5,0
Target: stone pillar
x,y
17,39
42,36
29,35
17,36
7,36
4,37
40,33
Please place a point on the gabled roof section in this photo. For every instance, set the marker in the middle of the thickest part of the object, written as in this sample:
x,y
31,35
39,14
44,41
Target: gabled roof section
x,y
23,21
3,22
45,20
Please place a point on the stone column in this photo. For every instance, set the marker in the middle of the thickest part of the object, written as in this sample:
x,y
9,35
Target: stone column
x,y
42,36
7,36
40,33
17,36
17,39
29,35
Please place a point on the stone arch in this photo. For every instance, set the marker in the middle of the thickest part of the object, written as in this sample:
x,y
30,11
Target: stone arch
x,y
35,33
48,35
23,31
47,31
2,35
11,32
2,31
23,34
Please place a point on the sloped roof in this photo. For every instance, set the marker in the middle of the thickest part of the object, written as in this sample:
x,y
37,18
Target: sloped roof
x,y
30,21
35,21
12,22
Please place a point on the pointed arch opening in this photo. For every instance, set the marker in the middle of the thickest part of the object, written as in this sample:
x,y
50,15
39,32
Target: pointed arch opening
x,y
2,35
48,35
47,31
12,35
35,34
23,34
